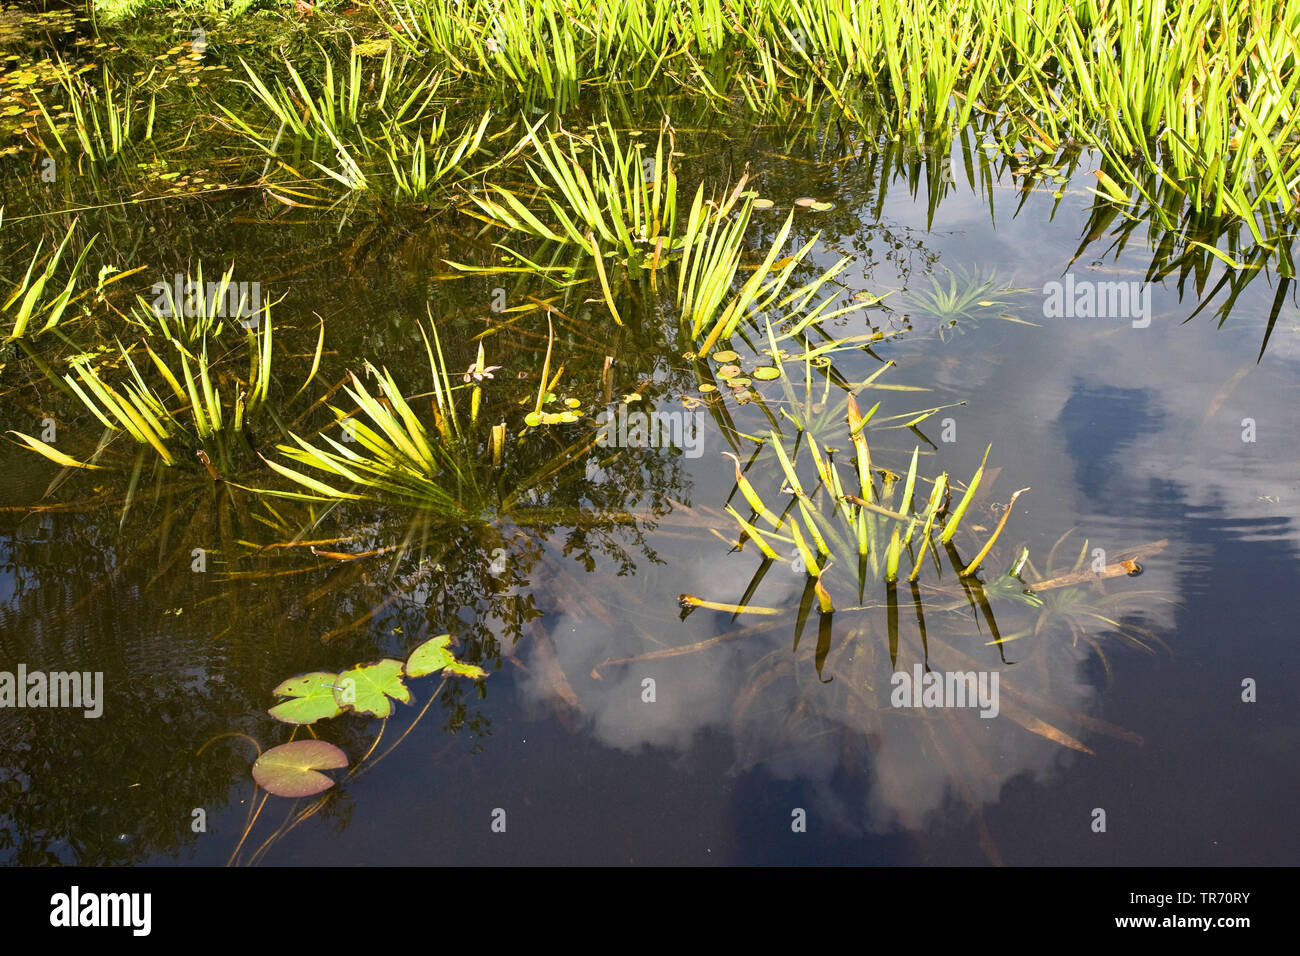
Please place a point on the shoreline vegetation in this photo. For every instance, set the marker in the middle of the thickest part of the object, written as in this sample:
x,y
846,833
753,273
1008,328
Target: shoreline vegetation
x,y
1192,105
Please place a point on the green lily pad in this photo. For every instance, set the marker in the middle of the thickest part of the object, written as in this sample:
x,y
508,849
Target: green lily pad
x,y
763,204
431,656
313,699
765,373
738,383
822,206
728,371
367,688
724,357
293,769
461,669
533,419
708,387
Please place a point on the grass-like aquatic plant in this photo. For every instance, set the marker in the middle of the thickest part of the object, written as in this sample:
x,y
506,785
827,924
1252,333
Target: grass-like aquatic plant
x,y
618,198
105,121
399,454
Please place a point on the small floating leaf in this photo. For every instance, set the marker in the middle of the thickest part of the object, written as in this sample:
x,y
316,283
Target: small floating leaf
x,y
708,387
822,206
293,769
722,358
728,371
805,201
763,204
765,373
367,687
433,655
313,699
461,669
533,419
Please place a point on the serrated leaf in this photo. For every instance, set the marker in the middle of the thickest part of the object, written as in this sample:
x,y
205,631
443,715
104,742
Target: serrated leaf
x,y
313,698
367,688
461,669
431,656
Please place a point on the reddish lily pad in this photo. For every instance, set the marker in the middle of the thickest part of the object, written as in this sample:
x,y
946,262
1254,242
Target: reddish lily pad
x,y
293,769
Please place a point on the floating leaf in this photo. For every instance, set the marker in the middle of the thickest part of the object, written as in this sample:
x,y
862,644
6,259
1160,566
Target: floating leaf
x,y
293,769
367,687
313,699
533,419
741,382
708,387
765,373
822,206
805,201
722,358
461,669
433,655
728,371
763,204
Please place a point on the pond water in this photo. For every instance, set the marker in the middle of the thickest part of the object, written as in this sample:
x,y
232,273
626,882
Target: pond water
x,y
616,724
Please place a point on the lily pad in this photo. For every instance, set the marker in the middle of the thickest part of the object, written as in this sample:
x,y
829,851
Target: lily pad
x,y
313,699
763,204
431,656
461,669
724,357
822,206
367,688
708,387
728,371
765,373
805,201
738,383
533,419
293,769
